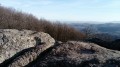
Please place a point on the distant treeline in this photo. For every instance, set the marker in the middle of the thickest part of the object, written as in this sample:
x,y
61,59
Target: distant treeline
x,y
13,19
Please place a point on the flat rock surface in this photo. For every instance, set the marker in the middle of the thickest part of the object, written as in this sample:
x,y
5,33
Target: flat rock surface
x,y
13,41
80,54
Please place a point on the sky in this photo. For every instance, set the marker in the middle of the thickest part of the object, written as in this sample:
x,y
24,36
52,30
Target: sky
x,y
69,10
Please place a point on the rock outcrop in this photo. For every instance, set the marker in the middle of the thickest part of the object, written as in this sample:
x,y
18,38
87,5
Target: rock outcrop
x,y
69,54
13,41
80,54
45,52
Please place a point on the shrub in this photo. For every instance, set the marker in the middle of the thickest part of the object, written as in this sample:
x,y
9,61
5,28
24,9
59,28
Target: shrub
x,y
12,19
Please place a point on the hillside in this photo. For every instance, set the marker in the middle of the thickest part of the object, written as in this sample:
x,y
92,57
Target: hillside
x,y
13,19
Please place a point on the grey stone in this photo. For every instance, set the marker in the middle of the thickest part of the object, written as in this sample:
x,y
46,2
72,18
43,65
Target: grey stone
x,y
29,56
38,49
80,54
13,41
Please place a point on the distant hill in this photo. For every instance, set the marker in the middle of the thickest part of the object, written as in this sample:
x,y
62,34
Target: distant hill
x,y
111,29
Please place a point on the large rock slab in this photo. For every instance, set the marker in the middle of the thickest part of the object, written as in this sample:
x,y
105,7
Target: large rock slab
x,y
13,41
38,49
79,54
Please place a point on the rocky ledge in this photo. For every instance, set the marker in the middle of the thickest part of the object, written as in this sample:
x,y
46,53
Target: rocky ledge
x,y
25,48
13,41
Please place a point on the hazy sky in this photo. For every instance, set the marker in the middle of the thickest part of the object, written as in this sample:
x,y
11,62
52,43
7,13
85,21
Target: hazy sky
x,y
69,10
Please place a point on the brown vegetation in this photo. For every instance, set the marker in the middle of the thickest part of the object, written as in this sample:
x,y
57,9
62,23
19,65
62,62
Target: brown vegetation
x,y
12,19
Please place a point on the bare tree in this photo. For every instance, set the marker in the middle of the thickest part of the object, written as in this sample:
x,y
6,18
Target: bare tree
x,y
90,31
13,19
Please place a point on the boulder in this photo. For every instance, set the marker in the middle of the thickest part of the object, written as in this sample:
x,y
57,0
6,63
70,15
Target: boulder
x,y
13,41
